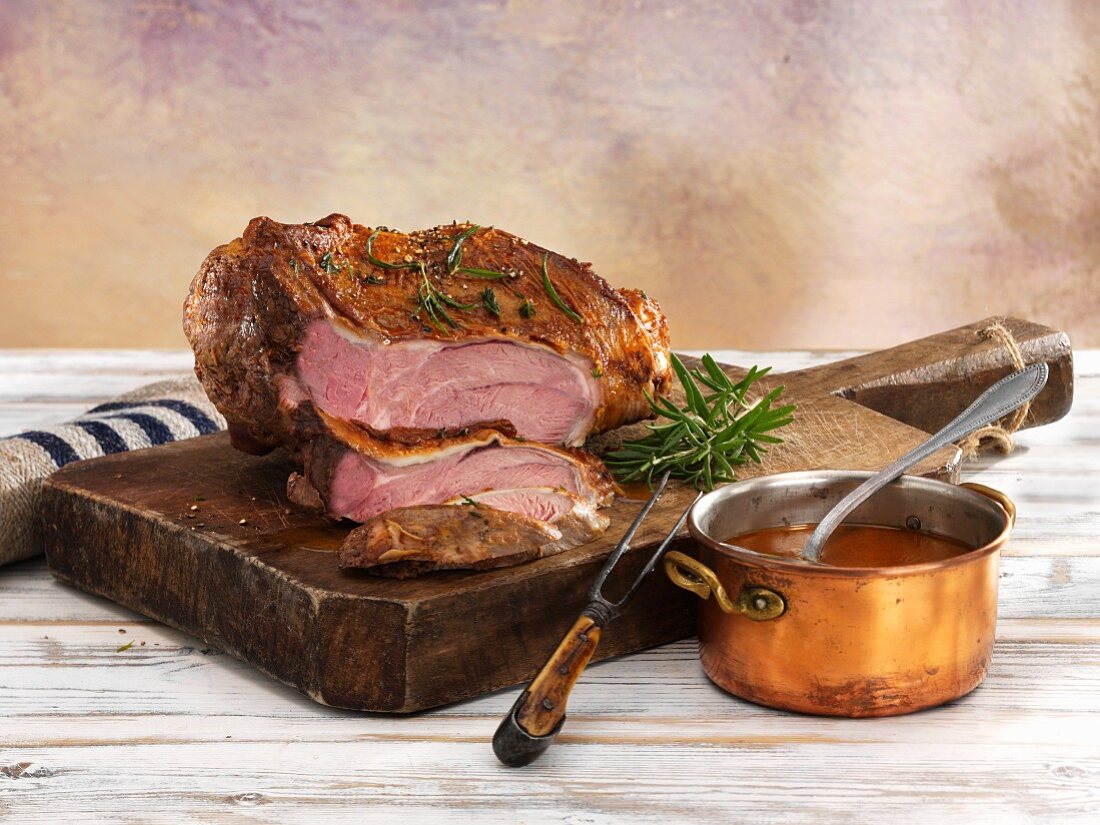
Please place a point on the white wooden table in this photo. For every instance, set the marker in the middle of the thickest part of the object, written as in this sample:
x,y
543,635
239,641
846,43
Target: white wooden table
x,y
171,731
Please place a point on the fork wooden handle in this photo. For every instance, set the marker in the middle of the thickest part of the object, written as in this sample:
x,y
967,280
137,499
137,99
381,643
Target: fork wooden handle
x,y
535,719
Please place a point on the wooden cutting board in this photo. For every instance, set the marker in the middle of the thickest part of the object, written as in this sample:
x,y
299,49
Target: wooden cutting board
x,y
248,574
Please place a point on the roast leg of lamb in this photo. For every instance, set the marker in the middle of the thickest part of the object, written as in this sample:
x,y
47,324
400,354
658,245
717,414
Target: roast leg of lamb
x,y
403,371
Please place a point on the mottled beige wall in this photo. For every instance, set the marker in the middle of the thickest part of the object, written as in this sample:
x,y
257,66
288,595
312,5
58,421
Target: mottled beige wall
x,y
778,174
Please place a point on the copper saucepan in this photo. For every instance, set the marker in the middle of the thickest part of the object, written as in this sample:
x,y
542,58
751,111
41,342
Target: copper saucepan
x,y
844,641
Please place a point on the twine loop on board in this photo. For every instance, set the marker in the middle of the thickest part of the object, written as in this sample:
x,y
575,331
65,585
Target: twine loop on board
x,y
997,437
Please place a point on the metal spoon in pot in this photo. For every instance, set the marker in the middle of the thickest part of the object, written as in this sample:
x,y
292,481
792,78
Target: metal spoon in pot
x,y
1002,398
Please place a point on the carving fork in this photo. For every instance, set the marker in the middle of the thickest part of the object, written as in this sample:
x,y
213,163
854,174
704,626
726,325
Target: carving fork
x,y
539,713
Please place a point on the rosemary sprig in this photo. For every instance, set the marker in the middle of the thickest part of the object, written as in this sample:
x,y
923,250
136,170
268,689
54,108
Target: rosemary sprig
x,y
327,264
454,259
383,264
430,298
489,299
484,274
553,293
434,302
714,432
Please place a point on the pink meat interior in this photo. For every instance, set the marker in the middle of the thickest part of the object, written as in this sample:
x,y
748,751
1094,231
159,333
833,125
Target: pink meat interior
x,y
540,503
362,487
427,384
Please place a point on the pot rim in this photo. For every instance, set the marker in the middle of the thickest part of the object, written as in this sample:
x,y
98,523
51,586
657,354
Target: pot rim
x,y
787,565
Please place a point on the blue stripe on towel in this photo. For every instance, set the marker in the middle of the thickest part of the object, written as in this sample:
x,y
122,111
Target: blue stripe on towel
x,y
60,450
109,441
111,406
203,423
156,429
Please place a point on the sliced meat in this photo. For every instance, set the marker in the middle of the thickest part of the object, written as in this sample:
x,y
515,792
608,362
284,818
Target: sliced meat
x,y
297,314
412,540
496,528
424,385
578,520
359,477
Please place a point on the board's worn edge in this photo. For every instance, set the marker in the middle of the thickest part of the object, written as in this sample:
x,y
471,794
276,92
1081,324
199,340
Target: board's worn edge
x,y
987,362
192,559
343,669
519,650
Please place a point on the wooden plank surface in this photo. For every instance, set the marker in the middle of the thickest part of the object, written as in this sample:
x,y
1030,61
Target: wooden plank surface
x,y
170,731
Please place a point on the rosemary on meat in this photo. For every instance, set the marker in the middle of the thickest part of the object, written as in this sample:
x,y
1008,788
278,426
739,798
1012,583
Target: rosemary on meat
x,y
382,264
548,285
489,300
327,264
435,301
715,431
484,274
430,299
454,259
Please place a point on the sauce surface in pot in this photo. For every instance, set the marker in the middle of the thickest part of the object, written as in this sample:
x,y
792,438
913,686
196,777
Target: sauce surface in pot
x,y
855,545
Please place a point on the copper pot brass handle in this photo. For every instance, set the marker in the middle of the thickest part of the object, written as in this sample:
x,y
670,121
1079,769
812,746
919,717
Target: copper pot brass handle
x,y
1003,501
696,577
757,603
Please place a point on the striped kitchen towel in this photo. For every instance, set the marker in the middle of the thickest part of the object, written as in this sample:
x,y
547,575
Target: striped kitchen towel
x,y
155,414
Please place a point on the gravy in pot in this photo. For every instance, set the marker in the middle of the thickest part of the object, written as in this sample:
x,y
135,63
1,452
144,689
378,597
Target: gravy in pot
x,y
855,545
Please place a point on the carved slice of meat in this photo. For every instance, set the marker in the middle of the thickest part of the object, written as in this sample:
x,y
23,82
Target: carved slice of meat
x,y
409,541
359,477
